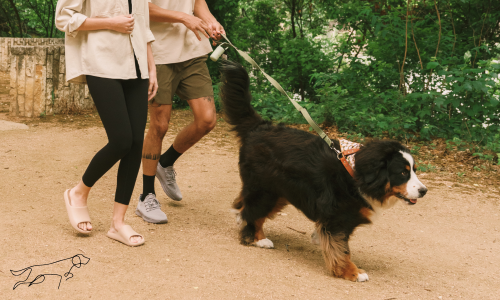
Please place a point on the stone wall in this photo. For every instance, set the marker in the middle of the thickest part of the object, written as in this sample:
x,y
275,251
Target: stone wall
x,y
37,86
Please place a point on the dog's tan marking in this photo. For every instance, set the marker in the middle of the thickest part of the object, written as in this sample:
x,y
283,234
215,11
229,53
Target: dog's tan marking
x,y
393,191
407,168
337,256
259,224
400,189
282,202
259,231
366,213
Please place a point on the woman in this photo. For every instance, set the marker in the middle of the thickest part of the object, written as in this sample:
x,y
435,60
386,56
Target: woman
x,y
108,46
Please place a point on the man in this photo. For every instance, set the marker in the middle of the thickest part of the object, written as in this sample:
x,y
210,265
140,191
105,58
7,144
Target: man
x,y
182,29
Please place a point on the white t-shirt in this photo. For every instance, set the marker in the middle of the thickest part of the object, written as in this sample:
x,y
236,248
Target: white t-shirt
x,y
174,41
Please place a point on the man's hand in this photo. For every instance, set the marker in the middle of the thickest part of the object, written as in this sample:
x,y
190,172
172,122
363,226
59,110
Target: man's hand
x,y
123,24
216,31
196,25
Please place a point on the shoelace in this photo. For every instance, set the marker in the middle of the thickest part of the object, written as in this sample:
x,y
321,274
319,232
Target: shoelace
x,y
170,176
151,203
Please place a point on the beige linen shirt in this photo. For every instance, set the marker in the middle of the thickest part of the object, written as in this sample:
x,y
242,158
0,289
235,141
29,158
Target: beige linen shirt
x,y
103,53
174,41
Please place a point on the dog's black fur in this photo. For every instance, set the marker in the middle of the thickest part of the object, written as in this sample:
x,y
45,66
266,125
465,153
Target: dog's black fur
x,y
281,165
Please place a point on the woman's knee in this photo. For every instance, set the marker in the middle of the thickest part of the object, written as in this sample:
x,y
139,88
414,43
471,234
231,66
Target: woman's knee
x,y
137,143
122,146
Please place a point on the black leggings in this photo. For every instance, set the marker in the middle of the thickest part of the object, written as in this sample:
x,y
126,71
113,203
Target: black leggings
x,y
123,108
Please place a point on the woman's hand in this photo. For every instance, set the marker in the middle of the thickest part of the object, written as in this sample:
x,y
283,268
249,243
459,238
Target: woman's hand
x,y
123,24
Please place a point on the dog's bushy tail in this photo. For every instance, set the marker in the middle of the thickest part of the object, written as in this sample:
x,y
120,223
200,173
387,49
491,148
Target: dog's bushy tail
x,y
236,98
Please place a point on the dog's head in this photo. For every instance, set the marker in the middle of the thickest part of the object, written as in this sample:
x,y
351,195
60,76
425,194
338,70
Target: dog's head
x,y
79,260
385,172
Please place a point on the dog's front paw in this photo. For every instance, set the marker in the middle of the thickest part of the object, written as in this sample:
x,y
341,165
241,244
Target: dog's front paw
x,y
264,243
362,277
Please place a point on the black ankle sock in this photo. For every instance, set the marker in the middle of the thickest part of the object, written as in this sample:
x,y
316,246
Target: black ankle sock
x,y
168,158
148,186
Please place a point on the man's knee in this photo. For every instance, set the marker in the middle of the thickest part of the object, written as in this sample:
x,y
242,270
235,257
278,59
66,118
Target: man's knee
x,y
206,123
158,129
160,117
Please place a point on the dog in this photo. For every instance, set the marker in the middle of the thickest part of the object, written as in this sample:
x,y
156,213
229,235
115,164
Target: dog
x,y
281,165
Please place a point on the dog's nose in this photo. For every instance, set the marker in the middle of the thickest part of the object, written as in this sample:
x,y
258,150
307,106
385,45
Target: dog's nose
x,y
422,192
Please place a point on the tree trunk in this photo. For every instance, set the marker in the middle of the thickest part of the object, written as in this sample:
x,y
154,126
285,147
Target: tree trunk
x,y
17,16
293,18
7,16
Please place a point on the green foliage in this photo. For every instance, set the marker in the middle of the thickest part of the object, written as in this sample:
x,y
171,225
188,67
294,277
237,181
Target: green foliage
x,y
28,18
426,168
425,72
412,70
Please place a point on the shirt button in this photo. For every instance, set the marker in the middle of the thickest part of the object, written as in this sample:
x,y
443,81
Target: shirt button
x,y
131,35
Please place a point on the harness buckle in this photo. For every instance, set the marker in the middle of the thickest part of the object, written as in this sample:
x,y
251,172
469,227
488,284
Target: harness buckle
x,y
339,154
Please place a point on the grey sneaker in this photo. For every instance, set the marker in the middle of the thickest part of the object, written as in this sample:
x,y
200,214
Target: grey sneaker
x,y
167,180
149,210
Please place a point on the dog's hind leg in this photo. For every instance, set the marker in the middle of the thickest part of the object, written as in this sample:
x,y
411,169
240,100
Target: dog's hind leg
x,y
257,206
237,208
338,257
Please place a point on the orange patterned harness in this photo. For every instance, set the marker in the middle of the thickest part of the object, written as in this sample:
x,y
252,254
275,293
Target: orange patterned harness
x,y
347,149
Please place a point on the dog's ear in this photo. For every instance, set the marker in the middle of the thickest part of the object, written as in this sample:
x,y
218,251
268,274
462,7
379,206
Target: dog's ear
x,y
373,180
371,176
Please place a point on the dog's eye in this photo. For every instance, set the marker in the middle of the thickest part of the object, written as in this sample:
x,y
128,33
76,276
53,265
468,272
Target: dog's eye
x,y
404,173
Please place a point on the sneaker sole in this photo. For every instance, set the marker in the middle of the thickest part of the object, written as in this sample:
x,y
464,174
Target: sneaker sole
x,y
165,189
145,218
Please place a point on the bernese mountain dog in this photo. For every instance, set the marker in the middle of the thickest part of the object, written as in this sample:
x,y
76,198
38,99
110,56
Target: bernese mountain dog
x,y
281,165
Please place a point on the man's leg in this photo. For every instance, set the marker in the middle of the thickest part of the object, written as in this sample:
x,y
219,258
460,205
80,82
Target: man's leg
x,y
158,127
148,206
195,84
205,119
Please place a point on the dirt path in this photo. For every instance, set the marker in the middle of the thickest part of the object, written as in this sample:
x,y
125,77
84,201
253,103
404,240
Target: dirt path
x,y
445,247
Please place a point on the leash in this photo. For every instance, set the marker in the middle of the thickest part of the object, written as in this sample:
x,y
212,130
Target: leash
x,y
341,155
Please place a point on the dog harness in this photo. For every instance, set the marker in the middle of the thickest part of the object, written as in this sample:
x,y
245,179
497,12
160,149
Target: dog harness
x,y
346,154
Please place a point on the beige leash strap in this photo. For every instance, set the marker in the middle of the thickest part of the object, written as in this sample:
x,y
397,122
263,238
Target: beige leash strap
x,y
302,110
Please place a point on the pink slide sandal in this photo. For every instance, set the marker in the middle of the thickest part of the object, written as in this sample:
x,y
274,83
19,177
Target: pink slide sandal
x,y
124,234
76,215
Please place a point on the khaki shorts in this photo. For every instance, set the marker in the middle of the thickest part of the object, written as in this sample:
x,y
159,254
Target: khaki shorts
x,y
188,79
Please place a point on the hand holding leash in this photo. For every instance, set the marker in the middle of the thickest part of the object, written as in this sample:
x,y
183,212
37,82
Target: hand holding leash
x,y
217,31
